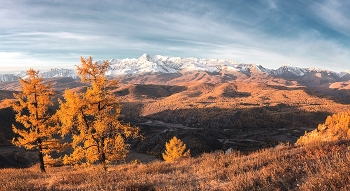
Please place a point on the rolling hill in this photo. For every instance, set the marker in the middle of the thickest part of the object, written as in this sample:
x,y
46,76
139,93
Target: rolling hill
x,y
211,103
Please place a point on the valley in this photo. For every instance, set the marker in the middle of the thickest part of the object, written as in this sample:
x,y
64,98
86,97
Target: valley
x,y
243,110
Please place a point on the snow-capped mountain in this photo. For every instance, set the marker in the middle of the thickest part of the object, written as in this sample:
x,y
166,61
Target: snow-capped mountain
x,y
148,64
289,70
52,73
345,74
157,64
58,72
154,64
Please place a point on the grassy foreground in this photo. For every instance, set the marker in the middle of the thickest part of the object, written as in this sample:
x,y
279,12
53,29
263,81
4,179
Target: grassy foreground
x,y
322,166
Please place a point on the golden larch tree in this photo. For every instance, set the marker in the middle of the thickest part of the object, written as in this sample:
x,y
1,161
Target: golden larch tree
x,y
31,110
91,117
175,149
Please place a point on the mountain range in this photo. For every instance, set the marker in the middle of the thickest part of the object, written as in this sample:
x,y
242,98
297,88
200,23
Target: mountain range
x,y
157,64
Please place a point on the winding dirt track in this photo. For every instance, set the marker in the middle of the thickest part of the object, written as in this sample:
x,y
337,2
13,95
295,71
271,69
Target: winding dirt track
x,y
169,126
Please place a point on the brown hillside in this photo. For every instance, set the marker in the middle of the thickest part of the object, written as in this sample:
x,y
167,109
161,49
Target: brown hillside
x,y
336,127
315,167
245,111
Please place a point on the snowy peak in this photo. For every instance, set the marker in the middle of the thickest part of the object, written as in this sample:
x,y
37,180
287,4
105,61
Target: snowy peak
x,y
58,72
288,70
344,73
146,64
152,58
146,58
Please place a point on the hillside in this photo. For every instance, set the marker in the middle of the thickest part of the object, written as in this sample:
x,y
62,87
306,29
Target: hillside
x,y
315,167
245,111
311,164
335,128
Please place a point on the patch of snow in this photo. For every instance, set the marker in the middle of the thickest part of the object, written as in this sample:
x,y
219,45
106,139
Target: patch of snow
x,y
344,73
289,69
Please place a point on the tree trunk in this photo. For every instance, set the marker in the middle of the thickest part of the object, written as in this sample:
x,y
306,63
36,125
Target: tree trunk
x,y
103,157
41,156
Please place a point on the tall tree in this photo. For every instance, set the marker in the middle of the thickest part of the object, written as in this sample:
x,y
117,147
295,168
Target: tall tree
x,y
32,111
92,118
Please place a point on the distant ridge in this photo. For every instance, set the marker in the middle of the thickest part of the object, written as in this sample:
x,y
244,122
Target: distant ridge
x,y
157,64
52,73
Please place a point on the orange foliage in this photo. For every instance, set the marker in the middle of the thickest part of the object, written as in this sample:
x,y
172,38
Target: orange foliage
x,y
175,149
336,127
31,111
91,117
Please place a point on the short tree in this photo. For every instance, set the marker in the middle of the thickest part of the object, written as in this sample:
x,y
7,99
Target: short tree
x,y
31,110
175,149
92,118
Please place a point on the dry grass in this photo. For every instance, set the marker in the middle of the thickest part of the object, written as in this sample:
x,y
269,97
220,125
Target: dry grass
x,y
323,166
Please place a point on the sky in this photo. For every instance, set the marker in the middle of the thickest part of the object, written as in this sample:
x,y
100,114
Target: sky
x,y
55,33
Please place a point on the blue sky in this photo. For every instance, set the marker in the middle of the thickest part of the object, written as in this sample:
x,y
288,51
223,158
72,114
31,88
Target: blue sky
x,y
55,33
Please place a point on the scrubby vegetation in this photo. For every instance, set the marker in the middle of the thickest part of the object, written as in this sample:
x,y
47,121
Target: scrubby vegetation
x,y
336,127
314,167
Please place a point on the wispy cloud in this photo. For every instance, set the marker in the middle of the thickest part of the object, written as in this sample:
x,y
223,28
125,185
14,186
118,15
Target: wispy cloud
x,y
270,33
335,14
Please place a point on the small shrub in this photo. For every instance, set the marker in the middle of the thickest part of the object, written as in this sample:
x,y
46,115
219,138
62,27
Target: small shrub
x,y
175,149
